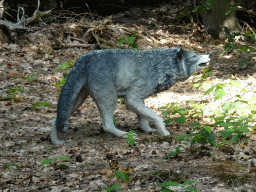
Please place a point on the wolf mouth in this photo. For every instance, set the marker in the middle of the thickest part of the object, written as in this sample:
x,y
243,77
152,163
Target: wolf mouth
x,y
204,64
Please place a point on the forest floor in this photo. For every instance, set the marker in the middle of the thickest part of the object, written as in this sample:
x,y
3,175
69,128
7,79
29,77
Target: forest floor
x,y
95,155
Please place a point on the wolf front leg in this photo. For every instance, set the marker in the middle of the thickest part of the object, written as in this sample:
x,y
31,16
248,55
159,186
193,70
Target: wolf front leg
x,y
145,115
106,102
144,125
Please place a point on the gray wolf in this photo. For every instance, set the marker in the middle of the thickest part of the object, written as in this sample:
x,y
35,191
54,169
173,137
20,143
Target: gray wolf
x,y
129,74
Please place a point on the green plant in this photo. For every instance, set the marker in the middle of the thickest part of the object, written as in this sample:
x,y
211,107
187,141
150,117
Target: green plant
x,y
194,111
65,76
234,126
203,137
231,44
121,99
130,137
115,120
61,81
31,79
173,109
44,104
173,153
170,183
62,166
234,123
197,111
201,8
206,72
219,91
115,187
131,41
7,165
65,65
122,175
14,92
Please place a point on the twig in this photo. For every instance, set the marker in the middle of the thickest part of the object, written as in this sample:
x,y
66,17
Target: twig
x,y
78,39
89,10
84,169
154,40
93,46
87,32
161,179
96,39
250,28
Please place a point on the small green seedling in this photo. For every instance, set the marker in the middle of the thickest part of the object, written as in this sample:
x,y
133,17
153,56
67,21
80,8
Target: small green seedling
x,y
44,104
173,153
32,78
65,76
115,187
122,175
115,120
122,99
14,92
7,165
61,81
170,183
131,41
62,166
130,137
65,65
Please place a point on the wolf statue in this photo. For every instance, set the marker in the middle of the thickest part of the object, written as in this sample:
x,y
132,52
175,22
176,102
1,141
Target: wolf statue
x,y
132,75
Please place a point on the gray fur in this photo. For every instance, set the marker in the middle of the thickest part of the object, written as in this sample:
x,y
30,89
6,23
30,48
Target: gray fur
x,y
130,74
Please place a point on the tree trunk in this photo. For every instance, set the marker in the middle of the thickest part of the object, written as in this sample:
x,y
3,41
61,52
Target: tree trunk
x,y
219,25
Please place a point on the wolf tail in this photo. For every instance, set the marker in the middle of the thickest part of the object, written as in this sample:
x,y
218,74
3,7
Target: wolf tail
x,y
75,81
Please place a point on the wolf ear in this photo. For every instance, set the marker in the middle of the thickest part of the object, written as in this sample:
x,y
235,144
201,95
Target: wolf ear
x,y
180,53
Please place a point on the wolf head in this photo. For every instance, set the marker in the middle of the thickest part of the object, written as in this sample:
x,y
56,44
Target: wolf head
x,y
191,61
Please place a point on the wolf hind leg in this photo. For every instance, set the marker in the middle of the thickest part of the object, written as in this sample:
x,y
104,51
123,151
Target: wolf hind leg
x,y
82,95
138,107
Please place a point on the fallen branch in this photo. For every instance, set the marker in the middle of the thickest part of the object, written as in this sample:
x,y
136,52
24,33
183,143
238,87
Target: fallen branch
x,y
22,22
96,38
93,46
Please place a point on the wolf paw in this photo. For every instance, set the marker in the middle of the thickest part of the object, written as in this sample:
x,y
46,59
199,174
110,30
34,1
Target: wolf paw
x,y
165,133
149,130
58,142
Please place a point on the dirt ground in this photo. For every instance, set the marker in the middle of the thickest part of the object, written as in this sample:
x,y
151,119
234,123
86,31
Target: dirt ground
x,y
95,155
